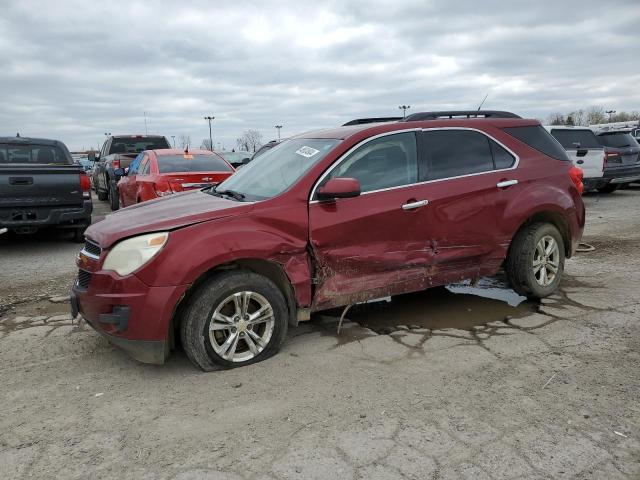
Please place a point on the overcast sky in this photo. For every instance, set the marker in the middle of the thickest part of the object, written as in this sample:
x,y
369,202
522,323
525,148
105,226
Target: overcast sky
x,y
73,70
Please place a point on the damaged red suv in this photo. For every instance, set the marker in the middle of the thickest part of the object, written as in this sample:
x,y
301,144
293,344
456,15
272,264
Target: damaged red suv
x,y
331,218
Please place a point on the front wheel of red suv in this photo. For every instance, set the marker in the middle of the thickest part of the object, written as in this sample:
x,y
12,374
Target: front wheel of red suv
x,y
234,319
535,262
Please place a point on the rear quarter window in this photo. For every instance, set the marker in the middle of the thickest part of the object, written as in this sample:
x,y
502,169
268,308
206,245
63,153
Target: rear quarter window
x,y
539,139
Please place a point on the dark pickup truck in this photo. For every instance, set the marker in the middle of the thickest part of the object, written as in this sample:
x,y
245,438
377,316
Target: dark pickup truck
x,y
118,152
40,186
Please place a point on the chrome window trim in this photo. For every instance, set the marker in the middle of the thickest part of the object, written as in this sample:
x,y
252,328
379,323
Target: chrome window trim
x,y
363,142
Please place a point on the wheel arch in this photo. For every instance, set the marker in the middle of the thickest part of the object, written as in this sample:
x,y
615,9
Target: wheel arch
x,y
554,218
266,268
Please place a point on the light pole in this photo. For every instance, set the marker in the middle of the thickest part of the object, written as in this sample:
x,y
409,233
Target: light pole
x,y
404,109
173,138
278,127
610,112
209,118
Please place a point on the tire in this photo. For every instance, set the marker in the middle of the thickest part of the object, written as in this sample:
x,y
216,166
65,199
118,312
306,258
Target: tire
x,y
78,234
102,195
523,253
609,188
114,199
206,348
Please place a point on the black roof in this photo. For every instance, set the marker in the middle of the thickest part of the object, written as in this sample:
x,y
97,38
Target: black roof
x,y
32,141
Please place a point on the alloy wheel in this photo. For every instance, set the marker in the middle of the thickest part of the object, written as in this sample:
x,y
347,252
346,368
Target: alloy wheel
x,y
546,261
241,326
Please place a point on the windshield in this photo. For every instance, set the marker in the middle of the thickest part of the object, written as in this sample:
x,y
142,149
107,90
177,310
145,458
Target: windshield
x,y
617,140
37,154
576,138
278,168
235,157
191,163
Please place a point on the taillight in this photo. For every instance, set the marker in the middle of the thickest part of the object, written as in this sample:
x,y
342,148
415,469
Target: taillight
x,y
577,175
116,163
162,189
85,185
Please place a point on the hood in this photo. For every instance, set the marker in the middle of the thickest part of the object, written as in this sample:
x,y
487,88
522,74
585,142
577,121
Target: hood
x,y
166,213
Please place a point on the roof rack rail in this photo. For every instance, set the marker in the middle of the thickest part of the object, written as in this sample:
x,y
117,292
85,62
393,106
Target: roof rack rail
x,y
459,113
362,121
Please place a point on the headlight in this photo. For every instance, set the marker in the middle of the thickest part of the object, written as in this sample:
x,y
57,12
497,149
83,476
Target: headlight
x,y
132,253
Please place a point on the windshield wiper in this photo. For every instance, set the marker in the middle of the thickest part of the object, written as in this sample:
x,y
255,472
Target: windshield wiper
x,y
233,194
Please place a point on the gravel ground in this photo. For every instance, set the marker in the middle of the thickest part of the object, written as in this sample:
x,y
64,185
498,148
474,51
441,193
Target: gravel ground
x,y
551,393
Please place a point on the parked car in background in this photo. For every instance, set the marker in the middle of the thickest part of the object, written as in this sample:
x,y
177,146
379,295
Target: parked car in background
x,y
118,152
157,173
82,159
585,152
327,219
41,186
236,159
622,159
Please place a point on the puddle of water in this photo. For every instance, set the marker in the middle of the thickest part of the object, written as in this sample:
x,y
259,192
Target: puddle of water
x,y
459,306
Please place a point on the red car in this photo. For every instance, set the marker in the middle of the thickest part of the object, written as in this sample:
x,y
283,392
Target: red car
x,y
156,173
332,218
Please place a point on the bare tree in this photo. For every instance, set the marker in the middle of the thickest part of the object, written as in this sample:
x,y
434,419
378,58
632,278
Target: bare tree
x,y
184,141
206,144
596,115
250,141
557,119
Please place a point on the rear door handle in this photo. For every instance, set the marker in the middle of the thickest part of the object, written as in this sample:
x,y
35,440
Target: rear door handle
x,y
412,205
506,183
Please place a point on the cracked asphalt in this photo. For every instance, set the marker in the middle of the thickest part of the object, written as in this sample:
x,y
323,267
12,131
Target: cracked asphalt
x,y
548,392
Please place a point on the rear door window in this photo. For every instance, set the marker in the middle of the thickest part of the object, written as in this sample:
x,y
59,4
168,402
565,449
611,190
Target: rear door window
x,y
539,139
385,162
33,154
571,139
454,153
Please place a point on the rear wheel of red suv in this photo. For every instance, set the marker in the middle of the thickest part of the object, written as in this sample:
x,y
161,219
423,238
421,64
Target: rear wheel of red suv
x,y
535,262
234,319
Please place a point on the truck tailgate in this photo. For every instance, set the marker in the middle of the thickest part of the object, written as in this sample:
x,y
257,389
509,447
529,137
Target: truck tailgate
x,y
40,186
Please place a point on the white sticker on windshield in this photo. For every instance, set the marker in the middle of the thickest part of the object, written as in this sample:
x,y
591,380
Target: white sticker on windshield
x,y
307,151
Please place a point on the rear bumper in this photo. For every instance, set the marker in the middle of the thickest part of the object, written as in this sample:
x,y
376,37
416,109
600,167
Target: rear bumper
x,y
626,174
593,183
27,216
129,313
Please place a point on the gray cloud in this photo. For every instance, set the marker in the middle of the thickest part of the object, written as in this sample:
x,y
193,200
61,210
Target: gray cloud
x,y
73,70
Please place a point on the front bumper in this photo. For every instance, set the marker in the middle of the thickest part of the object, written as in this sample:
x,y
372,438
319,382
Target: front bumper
x,y
13,217
130,314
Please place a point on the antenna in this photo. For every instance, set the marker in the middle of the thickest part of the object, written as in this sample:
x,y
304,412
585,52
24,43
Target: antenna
x,y
145,123
482,103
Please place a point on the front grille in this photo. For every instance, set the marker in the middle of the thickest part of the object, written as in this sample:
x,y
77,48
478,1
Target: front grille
x,y
92,248
84,278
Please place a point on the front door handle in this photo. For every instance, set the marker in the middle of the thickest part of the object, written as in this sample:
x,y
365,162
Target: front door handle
x,y
417,204
506,183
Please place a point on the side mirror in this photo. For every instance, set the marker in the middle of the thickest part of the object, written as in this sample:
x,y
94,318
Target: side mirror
x,y
245,160
339,188
120,172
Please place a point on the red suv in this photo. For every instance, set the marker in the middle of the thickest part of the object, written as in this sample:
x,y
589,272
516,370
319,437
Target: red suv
x,y
331,218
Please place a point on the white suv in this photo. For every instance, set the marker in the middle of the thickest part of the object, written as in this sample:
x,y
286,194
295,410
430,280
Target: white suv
x,y
585,152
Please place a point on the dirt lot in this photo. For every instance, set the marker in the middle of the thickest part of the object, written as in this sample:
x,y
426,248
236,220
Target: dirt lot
x,y
442,384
